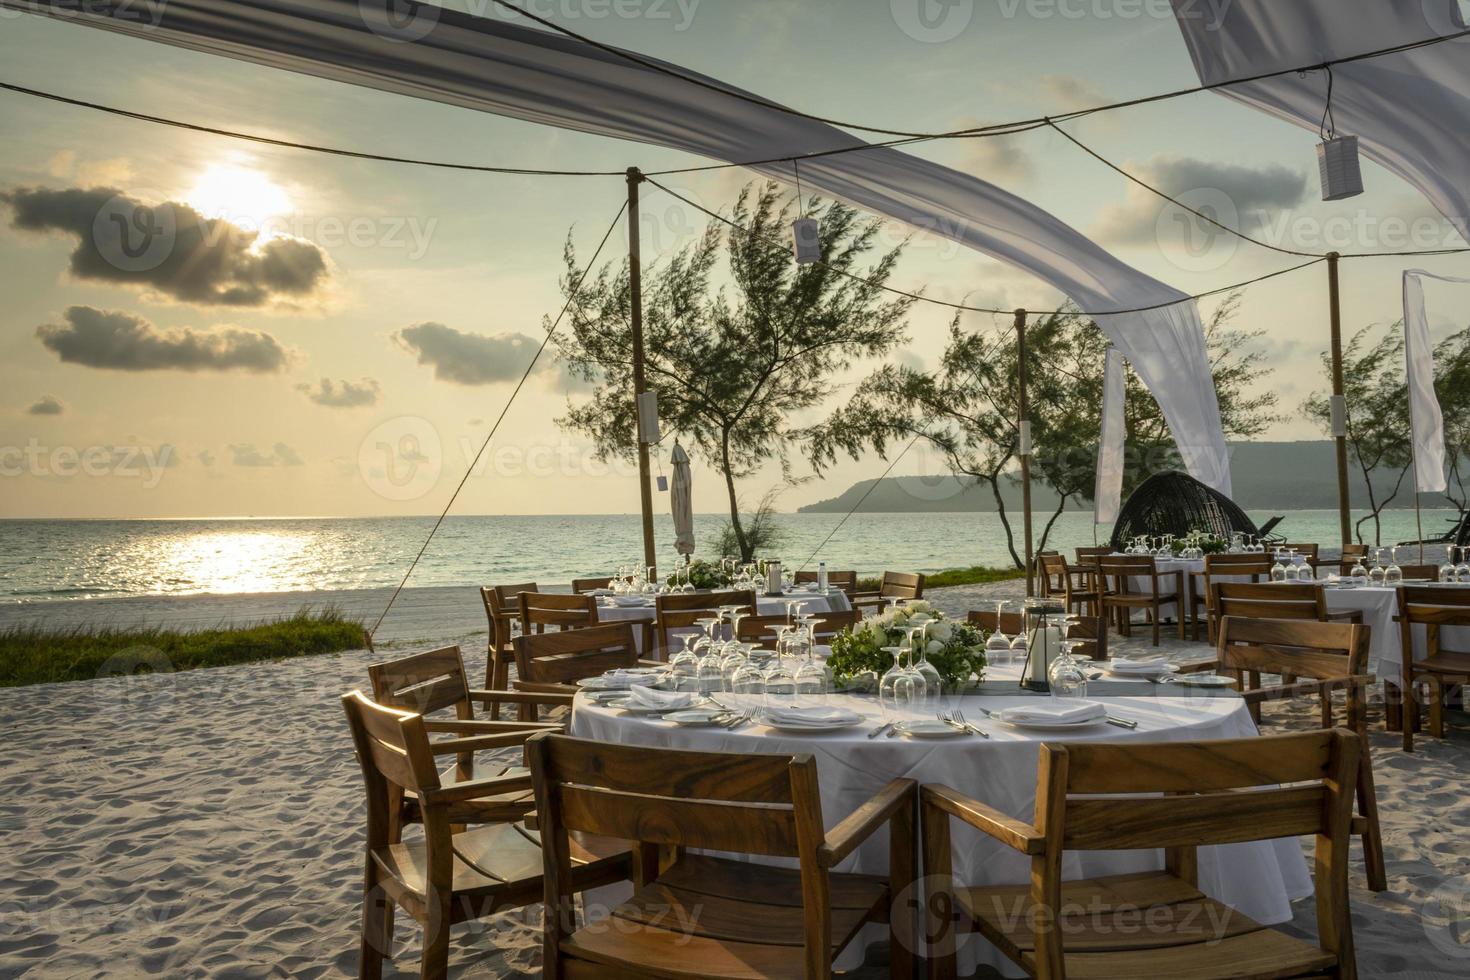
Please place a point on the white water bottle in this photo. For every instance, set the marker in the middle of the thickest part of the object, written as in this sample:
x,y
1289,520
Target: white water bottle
x,y
822,577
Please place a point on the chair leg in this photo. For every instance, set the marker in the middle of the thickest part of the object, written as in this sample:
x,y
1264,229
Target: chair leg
x,y
377,928
436,937
1157,616
1436,705
1410,713
1372,837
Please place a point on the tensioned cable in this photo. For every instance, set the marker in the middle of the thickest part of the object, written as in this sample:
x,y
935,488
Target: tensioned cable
x,y
571,298
1224,227
920,297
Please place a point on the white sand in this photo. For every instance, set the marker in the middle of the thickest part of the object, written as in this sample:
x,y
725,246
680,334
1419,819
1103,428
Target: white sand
x,y
209,823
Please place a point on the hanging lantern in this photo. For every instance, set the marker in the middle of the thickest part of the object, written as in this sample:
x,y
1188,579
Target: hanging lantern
x,y
806,236
1342,175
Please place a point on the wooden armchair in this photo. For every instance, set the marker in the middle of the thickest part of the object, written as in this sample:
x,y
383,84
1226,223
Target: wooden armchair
x,y
564,612
1332,657
1433,608
679,610
731,918
1420,573
1076,585
450,876
1106,796
894,585
1092,631
1307,551
580,585
548,663
1120,597
846,581
1251,568
826,625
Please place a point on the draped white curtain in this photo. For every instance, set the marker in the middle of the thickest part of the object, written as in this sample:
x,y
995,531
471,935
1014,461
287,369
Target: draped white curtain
x,y
1425,421
495,66
1409,110
1108,494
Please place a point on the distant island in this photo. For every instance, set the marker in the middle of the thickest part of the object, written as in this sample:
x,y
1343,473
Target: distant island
x,y
1266,476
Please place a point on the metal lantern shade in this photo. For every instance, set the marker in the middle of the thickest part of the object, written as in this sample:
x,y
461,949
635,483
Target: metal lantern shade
x,y
806,237
1342,174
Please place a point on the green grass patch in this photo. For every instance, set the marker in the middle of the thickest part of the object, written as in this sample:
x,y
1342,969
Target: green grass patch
x,y
974,575
38,656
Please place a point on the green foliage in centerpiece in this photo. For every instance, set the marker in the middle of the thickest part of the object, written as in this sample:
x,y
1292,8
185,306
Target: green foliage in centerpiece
x,y
1208,544
704,575
957,650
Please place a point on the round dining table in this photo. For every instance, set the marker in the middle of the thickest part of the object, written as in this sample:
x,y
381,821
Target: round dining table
x,y
1260,878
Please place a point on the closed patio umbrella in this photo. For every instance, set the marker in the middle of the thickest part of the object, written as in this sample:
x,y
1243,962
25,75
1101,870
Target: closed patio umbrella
x,y
681,499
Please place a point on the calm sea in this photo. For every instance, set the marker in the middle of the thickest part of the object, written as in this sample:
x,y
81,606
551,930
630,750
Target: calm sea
x,y
46,559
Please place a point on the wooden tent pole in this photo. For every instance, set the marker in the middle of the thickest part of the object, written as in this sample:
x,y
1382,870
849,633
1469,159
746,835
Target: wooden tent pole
x,y
635,297
1339,401
1024,425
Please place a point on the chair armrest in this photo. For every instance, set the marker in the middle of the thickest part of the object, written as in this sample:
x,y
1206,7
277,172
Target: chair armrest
x,y
478,743
1016,834
1346,616
1199,667
844,838
522,697
471,802
458,726
1281,692
553,688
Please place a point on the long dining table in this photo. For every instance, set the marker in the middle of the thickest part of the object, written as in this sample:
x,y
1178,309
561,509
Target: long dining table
x,y
1260,879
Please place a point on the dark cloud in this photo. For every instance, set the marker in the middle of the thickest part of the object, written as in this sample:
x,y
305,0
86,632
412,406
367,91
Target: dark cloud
x,y
1242,196
245,454
46,405
123,342
342,394
469,358
170,249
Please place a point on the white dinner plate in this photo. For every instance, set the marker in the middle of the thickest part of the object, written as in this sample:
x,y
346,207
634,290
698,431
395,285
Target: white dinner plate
x,y
1052,726
929,729
698,717
638,708
1110,669
1207,680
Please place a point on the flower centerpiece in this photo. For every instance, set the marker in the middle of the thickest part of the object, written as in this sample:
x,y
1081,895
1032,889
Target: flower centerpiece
x,y
703,574
957,650
1206,543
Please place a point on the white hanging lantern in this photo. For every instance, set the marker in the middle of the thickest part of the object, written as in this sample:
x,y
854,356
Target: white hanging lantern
x,y
1342,175
806,236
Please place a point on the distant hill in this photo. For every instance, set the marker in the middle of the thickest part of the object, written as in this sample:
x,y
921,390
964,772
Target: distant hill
x,y
1266,476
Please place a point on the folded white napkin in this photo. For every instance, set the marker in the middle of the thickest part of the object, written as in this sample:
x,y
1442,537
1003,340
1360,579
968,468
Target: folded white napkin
x,y
1153,665
633,677
1059,712
814,715
647,697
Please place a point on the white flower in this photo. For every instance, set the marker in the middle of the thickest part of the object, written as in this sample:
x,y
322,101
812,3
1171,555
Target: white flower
x,y
941,631
934,647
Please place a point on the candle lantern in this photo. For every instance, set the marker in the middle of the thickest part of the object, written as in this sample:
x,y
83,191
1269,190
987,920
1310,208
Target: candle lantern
x,y
1042,623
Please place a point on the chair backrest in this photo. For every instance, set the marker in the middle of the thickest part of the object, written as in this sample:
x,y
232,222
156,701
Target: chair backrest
x,y
902,585
571,655
423,683
757,629
1085,555
1178,796
496,614
1053,568
1420,573
1297,648
1433,607
1091,630
1239,565
1119,570
846,581
1353,551
393,751
542,609
1307,551
507,593
580,585
1268,600
677,611
766,805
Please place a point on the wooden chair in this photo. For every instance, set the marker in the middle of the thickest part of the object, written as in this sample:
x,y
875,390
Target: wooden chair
x,y
1420,573
1092,631
1252,566
1307,551
580,585
679,610
1119,597
502,622
1351,553
1085,556
449,876
1076,585
893,585
1433,607
568,612
1156,924
702,916
757,629
553,662
1333,656
846,581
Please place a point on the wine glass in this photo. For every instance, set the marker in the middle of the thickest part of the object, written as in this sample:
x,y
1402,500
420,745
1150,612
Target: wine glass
x,y
1447,570
1393,577
1462,570
813,679
781,676
1359,574
926,671
1278,570
1377,573
684,659
997,644
748,683
888,683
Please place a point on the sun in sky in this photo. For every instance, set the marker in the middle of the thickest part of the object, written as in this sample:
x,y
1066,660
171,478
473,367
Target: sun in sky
x,y
239,194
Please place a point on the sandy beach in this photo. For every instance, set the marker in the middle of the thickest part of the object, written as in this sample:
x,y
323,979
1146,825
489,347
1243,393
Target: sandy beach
x,y
208,823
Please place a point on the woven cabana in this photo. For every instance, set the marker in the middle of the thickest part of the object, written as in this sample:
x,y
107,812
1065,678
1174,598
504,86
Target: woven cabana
x,y
1175,503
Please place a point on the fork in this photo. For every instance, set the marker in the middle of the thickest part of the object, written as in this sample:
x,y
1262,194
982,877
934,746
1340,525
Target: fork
x,y
960,717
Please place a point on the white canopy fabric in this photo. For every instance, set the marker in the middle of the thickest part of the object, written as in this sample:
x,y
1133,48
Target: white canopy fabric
x,y
1426,423
681,500
1107,496
1410,110
494,66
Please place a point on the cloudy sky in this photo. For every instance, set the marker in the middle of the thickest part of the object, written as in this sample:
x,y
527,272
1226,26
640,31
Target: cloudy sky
x,y
320,320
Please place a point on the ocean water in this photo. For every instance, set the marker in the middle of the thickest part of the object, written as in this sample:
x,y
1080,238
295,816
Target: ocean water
x,y
50,559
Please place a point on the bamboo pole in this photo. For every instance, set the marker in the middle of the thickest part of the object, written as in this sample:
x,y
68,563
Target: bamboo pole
x,y
1339,401
1024,425
635,295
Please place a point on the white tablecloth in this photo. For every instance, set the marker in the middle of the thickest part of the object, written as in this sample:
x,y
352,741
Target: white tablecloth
x,y
1380,606
1259,878
834,601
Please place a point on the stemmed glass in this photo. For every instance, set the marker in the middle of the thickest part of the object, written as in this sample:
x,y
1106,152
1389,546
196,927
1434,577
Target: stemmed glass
x,y
781,676
813,678
895,688
1447,570
1359,574
1278,570
1066,677
997,644
1394,576
1377,573
688,585
928,673
1462,570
